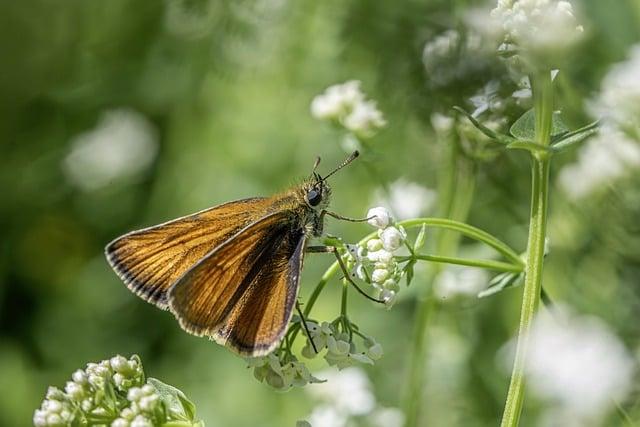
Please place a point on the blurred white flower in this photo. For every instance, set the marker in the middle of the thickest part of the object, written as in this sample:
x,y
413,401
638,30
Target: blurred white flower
x,y
348,391
365,119
618,103
122,145
460,281
578,364
387,417
442,124
327,416
601,160
346,104
538,26
487,99
406,199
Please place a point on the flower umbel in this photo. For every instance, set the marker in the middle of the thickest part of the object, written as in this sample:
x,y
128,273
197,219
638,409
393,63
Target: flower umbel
x,y
114,392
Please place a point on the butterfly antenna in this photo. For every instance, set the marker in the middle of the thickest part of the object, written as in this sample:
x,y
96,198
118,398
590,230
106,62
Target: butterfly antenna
x,y
348,160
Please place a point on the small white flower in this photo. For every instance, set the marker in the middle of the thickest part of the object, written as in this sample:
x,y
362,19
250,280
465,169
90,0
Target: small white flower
x,y
392,238
389,297
379,217
120,422
379,275
374,245
141,421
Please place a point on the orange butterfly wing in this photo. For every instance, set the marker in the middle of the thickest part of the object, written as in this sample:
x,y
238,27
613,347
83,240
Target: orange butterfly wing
x,y
243,293
150,260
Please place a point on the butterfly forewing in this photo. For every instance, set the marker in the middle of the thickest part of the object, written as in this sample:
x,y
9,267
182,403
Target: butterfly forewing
x,y
243,293
151,260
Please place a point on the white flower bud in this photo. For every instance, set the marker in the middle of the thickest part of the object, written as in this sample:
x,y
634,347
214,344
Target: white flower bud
x,y
119,364
148,403
54,420
74,390
374,245
79,376
389,298
120,422
379,275
148,389
391,238
379,217
134,394
141,421
375,351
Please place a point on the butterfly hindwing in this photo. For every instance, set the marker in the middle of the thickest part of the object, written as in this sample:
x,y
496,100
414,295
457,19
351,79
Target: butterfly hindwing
x,y
242,294
150,260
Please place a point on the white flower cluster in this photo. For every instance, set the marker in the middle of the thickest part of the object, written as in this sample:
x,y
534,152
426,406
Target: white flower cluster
x,y
144,401
347,399
341,351
347,105
601,160
378,254
280,374
94,392
579,364
616,149
618,103
86,389
121,147
538,26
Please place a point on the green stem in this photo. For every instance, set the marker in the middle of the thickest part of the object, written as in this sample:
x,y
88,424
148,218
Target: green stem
x,y
488,264
543,102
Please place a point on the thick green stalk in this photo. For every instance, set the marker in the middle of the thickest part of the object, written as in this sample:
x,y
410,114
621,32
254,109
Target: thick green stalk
x,y
457,183
543,104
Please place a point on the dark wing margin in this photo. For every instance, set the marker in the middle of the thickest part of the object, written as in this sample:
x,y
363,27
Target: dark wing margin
x,y
242,294
150,260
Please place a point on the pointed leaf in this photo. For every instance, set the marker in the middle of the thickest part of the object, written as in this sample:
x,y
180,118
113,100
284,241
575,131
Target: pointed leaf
x,y
498,137
409,270
421,238
176,401
501,282
575,137
525,127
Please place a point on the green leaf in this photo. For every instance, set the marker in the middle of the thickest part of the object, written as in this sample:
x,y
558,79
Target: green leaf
x,y
409,270
572,138
501,282
176,401
498,137
421,238
525,127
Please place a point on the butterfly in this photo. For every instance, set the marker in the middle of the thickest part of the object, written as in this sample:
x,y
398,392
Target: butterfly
x,y
230,272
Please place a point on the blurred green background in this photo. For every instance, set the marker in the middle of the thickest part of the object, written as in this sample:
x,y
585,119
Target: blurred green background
x,y
215,97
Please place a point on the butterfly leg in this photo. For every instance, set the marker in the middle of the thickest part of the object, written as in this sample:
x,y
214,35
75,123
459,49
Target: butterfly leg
x,y
347,276
306,328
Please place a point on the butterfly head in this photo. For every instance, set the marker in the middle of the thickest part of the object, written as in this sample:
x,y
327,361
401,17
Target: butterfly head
x,y
316,192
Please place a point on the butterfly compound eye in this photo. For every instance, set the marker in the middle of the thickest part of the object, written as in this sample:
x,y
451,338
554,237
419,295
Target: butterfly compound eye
x,y
314,197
